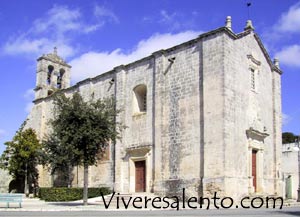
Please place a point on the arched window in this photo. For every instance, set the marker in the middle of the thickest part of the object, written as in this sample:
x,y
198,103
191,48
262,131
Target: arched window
x,y
49,74
140,98
60,78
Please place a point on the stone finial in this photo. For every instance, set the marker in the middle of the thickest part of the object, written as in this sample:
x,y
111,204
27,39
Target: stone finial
x,y
55,50
228,23
249,25
276,62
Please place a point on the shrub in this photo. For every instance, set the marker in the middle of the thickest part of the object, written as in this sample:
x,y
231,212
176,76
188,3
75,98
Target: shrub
x,y
69,194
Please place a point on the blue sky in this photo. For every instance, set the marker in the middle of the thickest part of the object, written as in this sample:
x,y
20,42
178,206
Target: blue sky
x,y
94,36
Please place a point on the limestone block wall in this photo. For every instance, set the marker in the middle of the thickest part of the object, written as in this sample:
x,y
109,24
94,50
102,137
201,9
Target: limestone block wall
x,y
177,120
213,113
137,141
34,119
139,124
246,108
236,106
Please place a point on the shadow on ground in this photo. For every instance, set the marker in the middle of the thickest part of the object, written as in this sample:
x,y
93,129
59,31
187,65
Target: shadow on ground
x,y
69,204
292,213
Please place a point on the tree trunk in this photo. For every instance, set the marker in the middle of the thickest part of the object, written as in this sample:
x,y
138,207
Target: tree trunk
x,y
85,183
69,176
26,187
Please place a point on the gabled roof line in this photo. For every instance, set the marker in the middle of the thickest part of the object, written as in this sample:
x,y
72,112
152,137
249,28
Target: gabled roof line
x,y
267,56
200,37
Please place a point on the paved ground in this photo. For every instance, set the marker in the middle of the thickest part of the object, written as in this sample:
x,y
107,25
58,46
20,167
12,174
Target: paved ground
x,y
35,207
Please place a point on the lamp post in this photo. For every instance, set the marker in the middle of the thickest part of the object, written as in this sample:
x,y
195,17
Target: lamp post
x,y
298,145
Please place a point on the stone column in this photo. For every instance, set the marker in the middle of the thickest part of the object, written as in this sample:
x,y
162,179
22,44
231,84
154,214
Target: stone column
x,y
159,73
250,178
119,148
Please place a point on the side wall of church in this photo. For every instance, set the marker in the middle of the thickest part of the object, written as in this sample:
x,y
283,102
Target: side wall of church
x,y
137,138
100,175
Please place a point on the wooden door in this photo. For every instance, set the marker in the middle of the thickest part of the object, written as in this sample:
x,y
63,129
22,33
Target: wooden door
x,y
140,176
254,169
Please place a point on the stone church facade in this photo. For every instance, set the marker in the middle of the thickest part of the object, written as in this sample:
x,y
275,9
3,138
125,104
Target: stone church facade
x,y
204,115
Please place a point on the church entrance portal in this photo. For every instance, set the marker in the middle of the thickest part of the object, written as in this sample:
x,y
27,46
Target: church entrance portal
x,y
140,176
255,160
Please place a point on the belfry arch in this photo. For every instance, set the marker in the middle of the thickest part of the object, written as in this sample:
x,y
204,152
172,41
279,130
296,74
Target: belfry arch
x,y
53,74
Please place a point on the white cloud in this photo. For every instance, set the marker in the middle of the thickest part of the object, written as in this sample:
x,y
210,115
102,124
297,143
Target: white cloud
x,y
285,28
289,55
56,28
285,119
100,12
36,46
92,28
61,19
173,20
147,19
167,17
29,96
23,45
2,132
290,21
28,107
162,41
94,63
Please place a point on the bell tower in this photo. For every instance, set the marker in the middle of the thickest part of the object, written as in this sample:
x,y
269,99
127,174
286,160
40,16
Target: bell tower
x,y
53,74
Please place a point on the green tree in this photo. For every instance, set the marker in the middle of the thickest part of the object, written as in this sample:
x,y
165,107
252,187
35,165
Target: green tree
x,y
60,159
82,131
288,137
21,156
